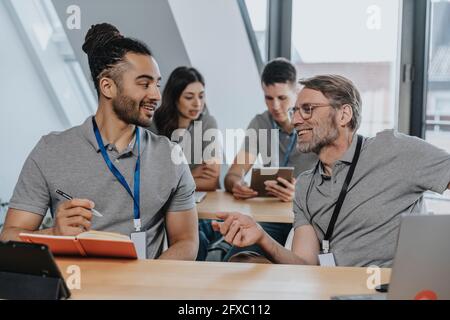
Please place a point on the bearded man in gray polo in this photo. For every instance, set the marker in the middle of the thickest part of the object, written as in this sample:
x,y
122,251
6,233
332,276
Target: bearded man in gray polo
x,y
390,176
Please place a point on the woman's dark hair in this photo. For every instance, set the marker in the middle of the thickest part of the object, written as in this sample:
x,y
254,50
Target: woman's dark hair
x,y
279,70
106,48
166,116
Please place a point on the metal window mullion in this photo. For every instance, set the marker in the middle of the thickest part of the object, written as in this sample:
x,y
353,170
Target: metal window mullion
x,y
250,34
40,69
421,44
279,29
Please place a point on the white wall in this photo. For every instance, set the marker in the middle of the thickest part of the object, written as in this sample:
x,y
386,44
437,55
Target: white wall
x,y
26,111
217,44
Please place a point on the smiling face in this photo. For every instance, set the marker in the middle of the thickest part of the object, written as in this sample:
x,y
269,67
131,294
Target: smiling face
x,y
138,91
321,129
279,98
192,101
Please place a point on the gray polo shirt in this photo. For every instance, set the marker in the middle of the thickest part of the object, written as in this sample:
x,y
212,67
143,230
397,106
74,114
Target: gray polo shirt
x,y
71,161
300,161
199,141
393,172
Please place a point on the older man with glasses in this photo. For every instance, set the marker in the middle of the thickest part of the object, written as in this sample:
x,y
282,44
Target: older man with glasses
x,y
348,208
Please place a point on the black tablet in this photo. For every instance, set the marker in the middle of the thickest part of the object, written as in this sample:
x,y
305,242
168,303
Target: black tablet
x,y
28,262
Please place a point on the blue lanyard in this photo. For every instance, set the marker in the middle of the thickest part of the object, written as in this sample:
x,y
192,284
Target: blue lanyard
x,y
292,141
120,177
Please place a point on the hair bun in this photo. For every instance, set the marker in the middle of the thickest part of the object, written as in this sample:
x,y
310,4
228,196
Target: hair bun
x,y
99,35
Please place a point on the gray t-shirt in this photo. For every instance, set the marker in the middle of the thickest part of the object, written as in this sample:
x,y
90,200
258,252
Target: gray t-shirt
x,y
393,172
300,161
200,141
71,161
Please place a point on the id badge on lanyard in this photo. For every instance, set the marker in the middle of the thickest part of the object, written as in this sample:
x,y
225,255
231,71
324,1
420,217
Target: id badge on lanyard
x,y
326,258
138,237
140,244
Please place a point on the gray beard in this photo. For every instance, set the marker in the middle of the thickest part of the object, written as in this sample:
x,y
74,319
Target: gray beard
x,y
317,143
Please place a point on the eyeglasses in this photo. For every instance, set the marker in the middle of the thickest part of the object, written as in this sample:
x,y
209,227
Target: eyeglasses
x,y
306,110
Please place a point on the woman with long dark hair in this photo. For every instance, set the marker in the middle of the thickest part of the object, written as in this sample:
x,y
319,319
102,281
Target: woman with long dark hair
x,y
181,117
184,118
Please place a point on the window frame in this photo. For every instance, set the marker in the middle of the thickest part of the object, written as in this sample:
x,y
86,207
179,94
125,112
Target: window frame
x,y
55,59
413,55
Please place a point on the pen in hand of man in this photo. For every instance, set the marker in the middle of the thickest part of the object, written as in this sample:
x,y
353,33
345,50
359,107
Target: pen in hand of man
x,y
68,197
73,216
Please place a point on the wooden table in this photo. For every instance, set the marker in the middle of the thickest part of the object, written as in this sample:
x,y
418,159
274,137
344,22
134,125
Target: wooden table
x,y
159,279
262,209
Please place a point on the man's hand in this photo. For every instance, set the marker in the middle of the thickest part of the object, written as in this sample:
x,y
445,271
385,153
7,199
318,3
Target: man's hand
x,y
285,192
243,191
73,217
238,229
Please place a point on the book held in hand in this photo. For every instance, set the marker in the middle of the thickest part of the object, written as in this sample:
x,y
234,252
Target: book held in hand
x,y
86,244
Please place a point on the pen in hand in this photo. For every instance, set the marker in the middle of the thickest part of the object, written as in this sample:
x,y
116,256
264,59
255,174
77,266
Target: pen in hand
x,y
68,197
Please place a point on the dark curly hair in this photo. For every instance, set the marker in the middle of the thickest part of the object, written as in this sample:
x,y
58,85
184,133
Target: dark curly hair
x,y
106,48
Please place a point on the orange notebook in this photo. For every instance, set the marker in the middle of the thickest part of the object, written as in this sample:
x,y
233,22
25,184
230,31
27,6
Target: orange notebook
x,y
86,244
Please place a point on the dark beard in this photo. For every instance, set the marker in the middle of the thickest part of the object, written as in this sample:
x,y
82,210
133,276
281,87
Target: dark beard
x,y
128,111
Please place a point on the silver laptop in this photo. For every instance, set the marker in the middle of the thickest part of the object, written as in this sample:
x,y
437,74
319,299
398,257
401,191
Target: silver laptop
x,y
199,196
422,261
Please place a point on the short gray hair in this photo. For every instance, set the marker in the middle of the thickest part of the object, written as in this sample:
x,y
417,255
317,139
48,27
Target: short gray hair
x,y
339,90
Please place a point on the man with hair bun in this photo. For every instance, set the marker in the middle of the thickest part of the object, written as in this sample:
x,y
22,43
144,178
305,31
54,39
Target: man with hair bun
x,y
111,162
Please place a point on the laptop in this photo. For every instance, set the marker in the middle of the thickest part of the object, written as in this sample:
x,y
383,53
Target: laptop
x,y
199,196
421,263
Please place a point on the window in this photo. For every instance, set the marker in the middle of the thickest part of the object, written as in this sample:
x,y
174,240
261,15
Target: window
x,y
437,121
357,39
44,37
257,12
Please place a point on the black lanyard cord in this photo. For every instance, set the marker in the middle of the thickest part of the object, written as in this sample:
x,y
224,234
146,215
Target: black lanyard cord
x,y
343,193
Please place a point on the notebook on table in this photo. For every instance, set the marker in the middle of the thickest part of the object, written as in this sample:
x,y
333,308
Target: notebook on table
x,y
86,244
